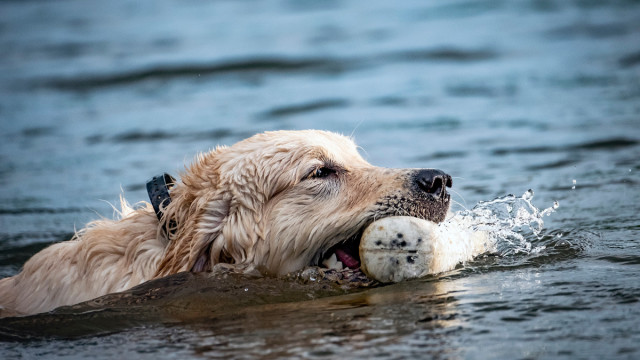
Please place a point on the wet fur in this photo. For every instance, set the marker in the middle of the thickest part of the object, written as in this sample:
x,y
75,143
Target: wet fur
x,y
255,205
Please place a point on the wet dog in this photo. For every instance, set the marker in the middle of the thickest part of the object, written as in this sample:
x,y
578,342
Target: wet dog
x,y
276,203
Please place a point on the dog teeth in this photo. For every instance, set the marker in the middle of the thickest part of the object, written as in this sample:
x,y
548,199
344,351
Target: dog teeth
x,y
332,262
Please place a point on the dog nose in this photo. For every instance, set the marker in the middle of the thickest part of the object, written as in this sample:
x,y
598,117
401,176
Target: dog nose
x,y
433,181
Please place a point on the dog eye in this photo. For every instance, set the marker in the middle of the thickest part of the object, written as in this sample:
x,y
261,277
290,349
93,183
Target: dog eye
x,y
322,172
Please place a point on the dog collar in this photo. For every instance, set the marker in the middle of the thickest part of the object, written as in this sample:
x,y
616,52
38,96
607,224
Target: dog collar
x,y
158,190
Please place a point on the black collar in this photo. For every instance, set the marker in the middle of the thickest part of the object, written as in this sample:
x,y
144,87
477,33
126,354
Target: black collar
x,y
158,190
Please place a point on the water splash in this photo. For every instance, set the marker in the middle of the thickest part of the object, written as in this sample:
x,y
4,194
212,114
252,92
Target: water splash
x,y
509,222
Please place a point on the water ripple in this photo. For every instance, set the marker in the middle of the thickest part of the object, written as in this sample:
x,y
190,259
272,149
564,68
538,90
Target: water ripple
x,y
263,65
604,144
30,211
622,259
594,31
251,65
450,54
630,60
140,136
317,105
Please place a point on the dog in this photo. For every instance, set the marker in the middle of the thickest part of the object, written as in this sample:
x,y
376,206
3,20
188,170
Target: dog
x,y
275,203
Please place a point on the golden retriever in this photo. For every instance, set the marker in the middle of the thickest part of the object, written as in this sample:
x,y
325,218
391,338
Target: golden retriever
x,y
276,203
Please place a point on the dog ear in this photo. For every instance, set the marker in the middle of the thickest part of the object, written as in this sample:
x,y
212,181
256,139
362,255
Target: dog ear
x,y
195,217
216,218
205,247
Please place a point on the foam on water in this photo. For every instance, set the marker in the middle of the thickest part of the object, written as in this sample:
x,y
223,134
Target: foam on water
x,y
508,222
504,226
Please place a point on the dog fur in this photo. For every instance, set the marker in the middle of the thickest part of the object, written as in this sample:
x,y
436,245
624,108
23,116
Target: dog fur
x,y
274,203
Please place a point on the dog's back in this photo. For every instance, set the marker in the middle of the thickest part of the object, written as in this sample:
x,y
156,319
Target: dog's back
x,y
107,256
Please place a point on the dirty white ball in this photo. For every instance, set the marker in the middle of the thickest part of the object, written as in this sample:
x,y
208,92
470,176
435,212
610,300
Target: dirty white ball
x,y
401,247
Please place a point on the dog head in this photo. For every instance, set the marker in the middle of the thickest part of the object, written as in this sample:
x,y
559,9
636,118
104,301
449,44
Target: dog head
x,y
280,201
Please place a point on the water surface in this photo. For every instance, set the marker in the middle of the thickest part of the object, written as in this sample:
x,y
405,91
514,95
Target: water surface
x,y
97,97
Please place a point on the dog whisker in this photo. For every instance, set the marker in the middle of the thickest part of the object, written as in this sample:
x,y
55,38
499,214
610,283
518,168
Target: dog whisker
x,y
459,204
356,128
461,197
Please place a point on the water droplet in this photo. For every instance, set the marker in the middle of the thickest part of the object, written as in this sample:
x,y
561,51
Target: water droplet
x,y
509,222
246,289
563,244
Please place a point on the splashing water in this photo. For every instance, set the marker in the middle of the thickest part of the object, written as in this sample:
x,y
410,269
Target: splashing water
x,y
503,226
508,221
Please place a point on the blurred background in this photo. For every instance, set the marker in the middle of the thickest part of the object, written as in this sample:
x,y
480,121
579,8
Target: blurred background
x,y
96,97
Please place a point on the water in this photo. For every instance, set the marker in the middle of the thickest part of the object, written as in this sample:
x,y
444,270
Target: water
x,y
515,232
507,221
95,98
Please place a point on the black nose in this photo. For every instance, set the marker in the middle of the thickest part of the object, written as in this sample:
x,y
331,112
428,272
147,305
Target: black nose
x,y
433,181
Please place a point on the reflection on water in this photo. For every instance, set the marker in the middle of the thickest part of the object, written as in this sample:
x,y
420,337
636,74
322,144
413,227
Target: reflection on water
x,y
265,316
504,95
182,297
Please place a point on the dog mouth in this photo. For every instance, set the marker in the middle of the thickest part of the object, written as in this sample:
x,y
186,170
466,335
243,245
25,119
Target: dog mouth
x,y
346,254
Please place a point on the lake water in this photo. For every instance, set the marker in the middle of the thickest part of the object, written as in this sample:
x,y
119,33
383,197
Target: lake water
x,y
506,96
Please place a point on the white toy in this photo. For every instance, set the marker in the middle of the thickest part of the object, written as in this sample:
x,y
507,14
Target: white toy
x,y
401,247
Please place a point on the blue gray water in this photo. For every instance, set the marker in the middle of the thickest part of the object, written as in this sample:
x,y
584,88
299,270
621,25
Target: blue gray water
x,y
97,97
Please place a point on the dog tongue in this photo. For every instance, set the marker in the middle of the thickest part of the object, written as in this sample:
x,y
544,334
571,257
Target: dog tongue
x,y
347,259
